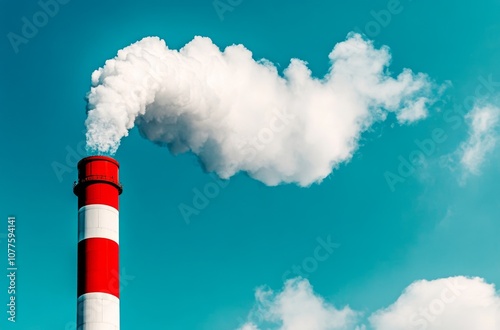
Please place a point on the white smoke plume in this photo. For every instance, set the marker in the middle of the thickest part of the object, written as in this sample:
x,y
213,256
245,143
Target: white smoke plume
x,y
239,114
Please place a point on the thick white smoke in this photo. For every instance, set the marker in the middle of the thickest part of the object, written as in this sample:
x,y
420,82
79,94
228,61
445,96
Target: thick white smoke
x,y
239,114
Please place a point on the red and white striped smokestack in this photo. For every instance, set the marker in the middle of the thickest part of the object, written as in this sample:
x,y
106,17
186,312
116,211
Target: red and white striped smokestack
x,y
98,188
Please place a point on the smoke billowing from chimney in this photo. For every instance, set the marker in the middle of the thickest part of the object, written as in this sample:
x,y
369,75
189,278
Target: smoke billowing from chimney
x,y
239,114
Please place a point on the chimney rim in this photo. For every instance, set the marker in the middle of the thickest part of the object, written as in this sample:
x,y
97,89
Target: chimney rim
x,y
97,158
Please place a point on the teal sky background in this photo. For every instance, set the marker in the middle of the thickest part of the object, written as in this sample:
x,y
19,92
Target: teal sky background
x,y
202,275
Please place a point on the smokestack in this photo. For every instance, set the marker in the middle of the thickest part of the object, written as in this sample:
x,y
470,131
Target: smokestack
x,y
98,188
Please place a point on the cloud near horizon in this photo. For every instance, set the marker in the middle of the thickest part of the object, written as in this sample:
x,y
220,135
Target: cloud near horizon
x,y
455,303
240,114
297,307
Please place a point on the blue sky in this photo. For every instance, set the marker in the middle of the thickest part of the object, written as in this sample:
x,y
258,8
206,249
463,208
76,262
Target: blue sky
x,y
438,222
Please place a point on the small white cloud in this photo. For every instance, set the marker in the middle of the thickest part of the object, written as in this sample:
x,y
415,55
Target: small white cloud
x,y
483,136
414,111
297,307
